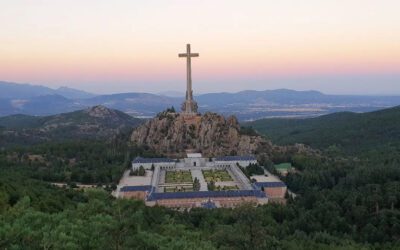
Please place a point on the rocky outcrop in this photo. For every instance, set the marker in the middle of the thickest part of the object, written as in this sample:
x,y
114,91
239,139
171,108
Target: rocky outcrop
x,y
211,134
101,112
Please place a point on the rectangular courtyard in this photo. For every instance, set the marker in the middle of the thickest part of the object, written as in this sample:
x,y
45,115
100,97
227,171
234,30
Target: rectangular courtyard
x,y
216,175
179,176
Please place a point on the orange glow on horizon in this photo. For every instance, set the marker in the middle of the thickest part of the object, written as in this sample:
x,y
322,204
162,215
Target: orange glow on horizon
x,y
96,41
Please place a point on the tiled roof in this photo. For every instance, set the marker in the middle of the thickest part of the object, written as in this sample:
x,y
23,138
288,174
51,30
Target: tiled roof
x,y
236,158
206,194
151,160
270,184
135,188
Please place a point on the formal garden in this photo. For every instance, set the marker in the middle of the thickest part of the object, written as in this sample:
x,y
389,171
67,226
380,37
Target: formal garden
x,y
181,176
216,175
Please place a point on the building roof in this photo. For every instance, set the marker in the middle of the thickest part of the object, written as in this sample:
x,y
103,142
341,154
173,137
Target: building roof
x,y
236,158
193,155
152,160
135,188
206,194
267,177
270,184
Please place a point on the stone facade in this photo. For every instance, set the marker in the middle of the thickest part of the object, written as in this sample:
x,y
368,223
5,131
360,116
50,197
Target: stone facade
x,y
227,202
275,192
139,195
189,107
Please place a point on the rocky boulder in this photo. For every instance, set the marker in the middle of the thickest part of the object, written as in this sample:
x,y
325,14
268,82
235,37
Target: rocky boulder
x,y
174,134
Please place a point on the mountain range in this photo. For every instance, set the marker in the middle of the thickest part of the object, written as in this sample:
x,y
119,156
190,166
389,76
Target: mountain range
x,y
246,105
20,91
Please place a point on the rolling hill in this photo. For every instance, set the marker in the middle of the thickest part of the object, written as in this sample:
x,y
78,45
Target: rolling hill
x,y
93,123
346,131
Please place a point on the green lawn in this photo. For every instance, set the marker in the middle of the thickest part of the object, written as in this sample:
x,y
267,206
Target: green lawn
x,y
178,177
216,175
283,166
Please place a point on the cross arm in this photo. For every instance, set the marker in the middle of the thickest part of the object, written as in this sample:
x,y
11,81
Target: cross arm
x,y
186,55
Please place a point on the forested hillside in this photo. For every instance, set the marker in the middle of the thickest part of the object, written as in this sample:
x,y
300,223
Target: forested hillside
x,y
350,133
93,123
342,202
338,207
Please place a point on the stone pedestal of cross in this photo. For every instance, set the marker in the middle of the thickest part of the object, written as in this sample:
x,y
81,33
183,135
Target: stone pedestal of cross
x,y
189,106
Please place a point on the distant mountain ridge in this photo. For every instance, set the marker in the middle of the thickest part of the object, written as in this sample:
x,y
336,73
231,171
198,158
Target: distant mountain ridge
x,y
9,90
245,105
73,93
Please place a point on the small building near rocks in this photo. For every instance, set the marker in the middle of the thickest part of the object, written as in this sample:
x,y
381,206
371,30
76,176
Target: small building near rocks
x,y
271,185
194,159
243,161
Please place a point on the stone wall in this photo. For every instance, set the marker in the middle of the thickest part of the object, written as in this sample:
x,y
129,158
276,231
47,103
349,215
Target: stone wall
x,y
228,202
275,192
139,195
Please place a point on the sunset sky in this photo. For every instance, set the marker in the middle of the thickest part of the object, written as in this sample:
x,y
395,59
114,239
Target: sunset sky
x,y
103,46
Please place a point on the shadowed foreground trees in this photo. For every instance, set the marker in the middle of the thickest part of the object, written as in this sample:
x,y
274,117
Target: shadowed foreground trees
x,y
341,204
45,217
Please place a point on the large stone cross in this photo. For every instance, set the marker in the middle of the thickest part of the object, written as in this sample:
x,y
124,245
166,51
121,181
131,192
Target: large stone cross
x,y
189,106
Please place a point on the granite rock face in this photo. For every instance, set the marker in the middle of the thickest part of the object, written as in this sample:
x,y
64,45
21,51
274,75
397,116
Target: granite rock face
x,y
174,134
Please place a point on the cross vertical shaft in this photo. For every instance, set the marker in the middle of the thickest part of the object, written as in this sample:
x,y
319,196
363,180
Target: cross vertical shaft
x,y
189,106
189,91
